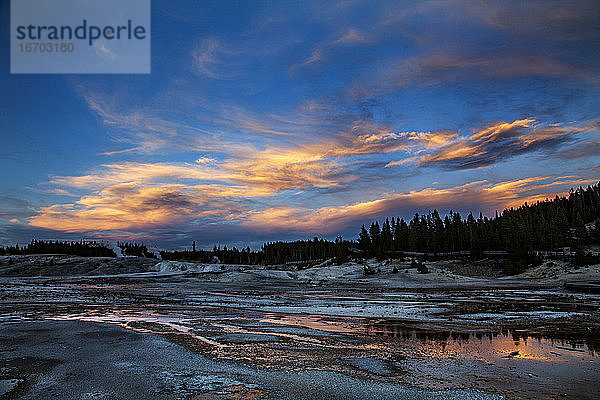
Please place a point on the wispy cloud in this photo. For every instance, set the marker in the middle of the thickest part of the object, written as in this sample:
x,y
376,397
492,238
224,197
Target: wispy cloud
x,y
144,132
497,142
320,52
13,207
352,37
562,21
211,58
211,127
433,68
581,150
441,66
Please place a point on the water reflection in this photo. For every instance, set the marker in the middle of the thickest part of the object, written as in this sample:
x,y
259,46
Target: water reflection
x,y
503,340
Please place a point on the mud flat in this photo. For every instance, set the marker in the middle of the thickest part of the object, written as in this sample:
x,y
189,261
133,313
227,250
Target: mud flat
x,y
83,360
205,331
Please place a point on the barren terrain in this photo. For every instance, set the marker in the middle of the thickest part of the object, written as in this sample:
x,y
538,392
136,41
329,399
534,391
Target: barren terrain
x,y
185,330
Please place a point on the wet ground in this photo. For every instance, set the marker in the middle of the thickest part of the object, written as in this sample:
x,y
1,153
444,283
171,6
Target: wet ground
x,y
198,337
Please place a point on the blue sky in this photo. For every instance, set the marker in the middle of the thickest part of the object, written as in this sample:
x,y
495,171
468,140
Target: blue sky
x,y
283,120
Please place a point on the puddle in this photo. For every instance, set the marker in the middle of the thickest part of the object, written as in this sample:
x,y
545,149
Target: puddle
x,y
246,338
315,322
488,346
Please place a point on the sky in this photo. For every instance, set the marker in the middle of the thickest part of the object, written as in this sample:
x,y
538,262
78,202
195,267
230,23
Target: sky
x,y
284,120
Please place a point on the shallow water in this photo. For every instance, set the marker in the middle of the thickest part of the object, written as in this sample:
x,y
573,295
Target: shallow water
x,y
435,339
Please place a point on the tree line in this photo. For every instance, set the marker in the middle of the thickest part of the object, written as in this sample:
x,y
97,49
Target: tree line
x,y
270,253
572,220
82,248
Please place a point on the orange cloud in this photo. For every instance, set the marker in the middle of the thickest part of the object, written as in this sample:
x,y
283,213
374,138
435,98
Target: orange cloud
x,y
134,207
494,143
130,206
120,207
480,195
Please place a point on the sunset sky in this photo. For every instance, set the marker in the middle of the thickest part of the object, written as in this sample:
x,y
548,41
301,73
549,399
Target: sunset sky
x,y
281,120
